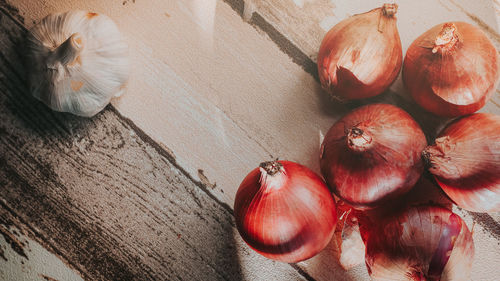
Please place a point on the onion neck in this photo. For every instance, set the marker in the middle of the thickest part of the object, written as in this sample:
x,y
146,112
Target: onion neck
x,y
388,12
428,156
389,9
436,159
272,175
358,140
271,167
446,39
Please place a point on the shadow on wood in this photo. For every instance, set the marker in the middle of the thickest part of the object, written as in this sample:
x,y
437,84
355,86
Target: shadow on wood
x,y
100,196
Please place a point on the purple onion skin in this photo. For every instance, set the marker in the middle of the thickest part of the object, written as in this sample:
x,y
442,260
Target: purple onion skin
x,y
420,243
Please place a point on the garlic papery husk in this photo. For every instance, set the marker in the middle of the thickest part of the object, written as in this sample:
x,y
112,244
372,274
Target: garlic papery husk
x,y
77,62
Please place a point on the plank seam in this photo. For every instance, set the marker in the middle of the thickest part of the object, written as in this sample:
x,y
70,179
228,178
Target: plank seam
x,y
164,153
40,238
285,45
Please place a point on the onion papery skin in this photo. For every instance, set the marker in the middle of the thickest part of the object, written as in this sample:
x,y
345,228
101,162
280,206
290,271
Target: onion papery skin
x,y
452,78
289,216
422,243
361,56
465,161
350,246
382,163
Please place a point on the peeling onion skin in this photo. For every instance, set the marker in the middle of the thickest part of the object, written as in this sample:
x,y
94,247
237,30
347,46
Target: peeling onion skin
x,y
452,69
351,248
465,161
361,56
372,155
287,216
422,243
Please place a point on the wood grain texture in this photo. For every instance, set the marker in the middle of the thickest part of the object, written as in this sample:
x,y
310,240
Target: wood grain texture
x,y
301,25
305,22
24,259
104,198
221,96
207,84
214,72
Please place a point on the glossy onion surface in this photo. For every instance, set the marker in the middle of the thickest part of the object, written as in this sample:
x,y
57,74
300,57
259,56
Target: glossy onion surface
x,y
361,56
452,69
372,155
351,248
284,211
423,243
465,161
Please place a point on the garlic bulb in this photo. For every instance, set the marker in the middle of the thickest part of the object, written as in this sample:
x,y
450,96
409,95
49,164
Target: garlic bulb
x,y
78,61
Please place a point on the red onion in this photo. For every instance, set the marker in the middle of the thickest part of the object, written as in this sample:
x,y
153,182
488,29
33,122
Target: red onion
x,y
423,243
361,56
452,69
372,155
351,248
284,211
465,161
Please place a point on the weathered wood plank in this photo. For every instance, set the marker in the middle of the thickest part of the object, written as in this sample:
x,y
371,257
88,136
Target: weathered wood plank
x,y
214,72
230,86
305,22
203,90
23,258
106,199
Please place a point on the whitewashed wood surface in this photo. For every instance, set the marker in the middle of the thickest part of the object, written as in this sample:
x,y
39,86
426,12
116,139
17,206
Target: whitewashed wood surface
x,y
223,89
103,197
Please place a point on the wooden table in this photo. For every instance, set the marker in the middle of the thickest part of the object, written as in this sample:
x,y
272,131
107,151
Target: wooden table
x,y
144,190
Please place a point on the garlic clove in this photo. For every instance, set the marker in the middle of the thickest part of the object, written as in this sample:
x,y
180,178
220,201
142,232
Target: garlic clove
x,y
78,61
